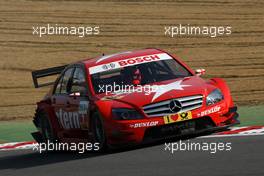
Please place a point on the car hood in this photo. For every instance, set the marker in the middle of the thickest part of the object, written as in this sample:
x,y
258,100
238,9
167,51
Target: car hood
x,y
164,90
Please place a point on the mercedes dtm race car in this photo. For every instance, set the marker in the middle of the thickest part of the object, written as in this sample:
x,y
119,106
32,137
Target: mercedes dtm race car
x,y
130,98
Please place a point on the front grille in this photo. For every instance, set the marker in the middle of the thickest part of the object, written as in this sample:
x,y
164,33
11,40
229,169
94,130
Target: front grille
x,y
162,108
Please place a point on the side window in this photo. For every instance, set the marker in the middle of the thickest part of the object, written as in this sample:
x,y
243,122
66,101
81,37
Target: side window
x,y
78,81
65,81
58,87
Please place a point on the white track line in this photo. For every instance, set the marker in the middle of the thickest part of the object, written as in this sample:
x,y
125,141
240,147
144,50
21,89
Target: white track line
x,y
234,132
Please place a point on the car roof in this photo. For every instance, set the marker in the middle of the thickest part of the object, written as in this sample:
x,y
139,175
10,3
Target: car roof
x,y
120,56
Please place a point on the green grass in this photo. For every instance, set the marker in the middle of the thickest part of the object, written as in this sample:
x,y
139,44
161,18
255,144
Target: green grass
x,y
251,115
13,131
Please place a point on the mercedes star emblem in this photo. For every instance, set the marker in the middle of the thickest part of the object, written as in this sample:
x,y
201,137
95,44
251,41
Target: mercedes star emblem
x,y
175,106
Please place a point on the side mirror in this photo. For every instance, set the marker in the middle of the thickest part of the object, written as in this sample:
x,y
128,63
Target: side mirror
x,y
200,72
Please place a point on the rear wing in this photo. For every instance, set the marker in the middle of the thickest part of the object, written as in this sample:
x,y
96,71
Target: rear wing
x,y
44,73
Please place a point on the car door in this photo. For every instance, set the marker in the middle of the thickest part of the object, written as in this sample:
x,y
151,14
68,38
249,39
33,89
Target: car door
x,y
71,103
60,99
78,101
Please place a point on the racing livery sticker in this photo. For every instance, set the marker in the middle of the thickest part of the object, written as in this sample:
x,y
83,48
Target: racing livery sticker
x,y
162,89
84,114
209,111
177,117
83,107
68,120
79,119
144,124
129,62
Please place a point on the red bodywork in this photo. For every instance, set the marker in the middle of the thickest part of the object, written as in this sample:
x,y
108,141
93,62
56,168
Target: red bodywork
x,y
219,115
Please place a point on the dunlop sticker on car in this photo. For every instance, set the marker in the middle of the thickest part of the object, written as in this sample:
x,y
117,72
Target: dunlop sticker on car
x,y
177,117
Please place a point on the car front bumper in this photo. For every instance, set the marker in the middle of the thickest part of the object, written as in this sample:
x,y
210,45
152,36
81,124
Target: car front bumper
x,y
145,130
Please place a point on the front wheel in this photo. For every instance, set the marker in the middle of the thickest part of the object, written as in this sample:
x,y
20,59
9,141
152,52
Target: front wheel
x,y
98,131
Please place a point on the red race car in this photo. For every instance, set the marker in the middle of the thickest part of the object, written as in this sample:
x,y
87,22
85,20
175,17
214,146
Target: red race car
x,y
130,98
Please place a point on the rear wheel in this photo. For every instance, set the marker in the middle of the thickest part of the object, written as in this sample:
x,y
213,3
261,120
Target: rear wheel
x,y
46,128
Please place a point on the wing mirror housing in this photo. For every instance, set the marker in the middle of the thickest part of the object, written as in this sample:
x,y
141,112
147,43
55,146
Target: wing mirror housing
x,y
200,72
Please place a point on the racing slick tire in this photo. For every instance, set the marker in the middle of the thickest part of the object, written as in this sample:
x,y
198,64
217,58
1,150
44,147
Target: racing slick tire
x,y
98,131
45,128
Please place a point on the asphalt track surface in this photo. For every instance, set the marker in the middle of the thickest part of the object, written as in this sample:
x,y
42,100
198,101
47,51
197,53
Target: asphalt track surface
x,y
245,158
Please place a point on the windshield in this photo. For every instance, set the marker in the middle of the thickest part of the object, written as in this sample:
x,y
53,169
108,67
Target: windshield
x,y
141,74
